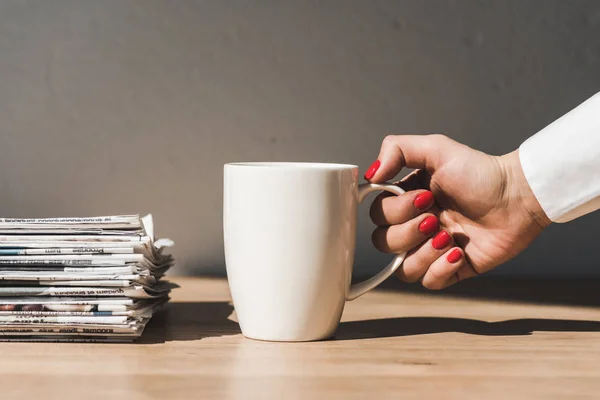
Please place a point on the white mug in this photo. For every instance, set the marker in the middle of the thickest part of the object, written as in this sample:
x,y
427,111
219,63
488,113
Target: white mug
x,y
290,234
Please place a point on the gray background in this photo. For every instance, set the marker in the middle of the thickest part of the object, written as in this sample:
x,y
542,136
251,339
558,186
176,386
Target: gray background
x,y
134,106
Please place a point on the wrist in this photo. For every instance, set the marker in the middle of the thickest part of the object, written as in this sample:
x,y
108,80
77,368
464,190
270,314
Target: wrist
x,y
519,191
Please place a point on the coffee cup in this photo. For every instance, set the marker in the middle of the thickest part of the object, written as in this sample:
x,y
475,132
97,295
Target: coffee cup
x,y
289,236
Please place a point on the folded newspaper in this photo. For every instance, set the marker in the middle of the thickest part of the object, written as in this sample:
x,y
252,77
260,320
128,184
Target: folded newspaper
x,y
95,279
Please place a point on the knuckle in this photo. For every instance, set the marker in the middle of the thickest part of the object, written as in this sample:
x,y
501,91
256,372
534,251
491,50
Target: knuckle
x,y
438,140
439,137
412,277
393,209
436,279
375,211
400,275
378,237
446,220
387,209
466,271
432,284
389,139
406,275
412,269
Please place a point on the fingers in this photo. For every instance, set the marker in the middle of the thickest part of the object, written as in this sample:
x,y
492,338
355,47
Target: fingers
x,y
433,260
392,210
412,151
447,270
420,259
400,238
388,209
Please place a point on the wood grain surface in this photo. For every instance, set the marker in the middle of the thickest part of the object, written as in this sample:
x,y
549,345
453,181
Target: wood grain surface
x,y
489,339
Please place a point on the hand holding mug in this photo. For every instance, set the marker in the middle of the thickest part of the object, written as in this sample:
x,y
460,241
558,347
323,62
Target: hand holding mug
x,y
486,210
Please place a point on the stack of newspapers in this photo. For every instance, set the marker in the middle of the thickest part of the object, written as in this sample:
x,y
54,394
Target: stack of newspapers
x,y
80,279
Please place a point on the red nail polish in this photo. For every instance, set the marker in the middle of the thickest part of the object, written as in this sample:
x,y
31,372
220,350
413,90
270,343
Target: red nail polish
x,y
372,169
429,225
441,240
424,200
454,256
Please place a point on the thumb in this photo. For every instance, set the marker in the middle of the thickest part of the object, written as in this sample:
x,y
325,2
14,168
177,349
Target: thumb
x,y
412,151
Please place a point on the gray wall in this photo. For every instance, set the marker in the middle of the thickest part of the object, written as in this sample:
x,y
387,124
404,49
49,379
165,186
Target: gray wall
x,y
134,106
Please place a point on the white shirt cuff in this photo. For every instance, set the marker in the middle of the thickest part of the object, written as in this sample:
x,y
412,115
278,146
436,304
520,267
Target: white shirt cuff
x,y
562,163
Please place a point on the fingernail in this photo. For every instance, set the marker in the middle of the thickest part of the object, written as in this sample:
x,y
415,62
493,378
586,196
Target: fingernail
x,y
454,256
372,169
423,201
441,240
429,225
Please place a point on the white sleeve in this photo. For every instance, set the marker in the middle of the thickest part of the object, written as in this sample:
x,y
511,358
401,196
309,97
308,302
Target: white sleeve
x,y
562,163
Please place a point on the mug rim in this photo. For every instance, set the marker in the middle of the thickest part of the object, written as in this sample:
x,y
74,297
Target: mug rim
x,y
291,165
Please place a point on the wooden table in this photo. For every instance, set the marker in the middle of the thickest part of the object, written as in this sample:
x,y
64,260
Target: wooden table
x,y
485,339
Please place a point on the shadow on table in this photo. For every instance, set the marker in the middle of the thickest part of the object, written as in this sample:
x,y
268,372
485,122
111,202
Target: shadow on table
x,y
408,326
575,292
198,320
190,321
563,291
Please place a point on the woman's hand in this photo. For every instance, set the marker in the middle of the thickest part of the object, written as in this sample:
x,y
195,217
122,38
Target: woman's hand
x,y
484,211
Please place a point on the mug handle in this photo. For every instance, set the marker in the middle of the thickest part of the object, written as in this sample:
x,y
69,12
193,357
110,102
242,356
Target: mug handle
x,y
363,287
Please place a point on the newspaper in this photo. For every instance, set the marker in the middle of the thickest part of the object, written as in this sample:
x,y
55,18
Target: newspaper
x,y
104,221
133,291
90,279
145,310
65,250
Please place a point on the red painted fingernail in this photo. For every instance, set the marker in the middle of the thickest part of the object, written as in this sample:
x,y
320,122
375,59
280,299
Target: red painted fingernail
x,y
372,169
454,256
429,225
441,240
424,200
